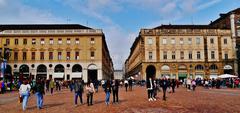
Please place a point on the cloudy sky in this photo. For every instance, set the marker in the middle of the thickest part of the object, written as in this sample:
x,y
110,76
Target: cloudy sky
x,y
120,20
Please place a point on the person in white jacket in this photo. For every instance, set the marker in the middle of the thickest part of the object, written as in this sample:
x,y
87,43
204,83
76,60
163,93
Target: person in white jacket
x,y
24,92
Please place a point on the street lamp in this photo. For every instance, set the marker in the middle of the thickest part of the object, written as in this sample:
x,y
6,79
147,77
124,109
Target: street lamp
x,y
4,55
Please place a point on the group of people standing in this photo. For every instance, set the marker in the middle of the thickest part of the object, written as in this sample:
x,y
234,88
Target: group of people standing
x,y
79,90
109,87
153,85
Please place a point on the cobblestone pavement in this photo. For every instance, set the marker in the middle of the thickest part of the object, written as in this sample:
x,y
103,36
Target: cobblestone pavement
x,y
183,101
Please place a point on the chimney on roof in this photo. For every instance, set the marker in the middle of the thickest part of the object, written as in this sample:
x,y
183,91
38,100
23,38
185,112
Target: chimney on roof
x,y
222,14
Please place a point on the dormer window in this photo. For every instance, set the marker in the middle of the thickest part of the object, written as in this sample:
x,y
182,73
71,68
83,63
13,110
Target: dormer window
x,y
59,41
77,40
42,41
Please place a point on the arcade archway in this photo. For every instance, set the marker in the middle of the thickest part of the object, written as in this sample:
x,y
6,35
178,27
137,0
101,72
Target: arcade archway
x,y
42,72
150,72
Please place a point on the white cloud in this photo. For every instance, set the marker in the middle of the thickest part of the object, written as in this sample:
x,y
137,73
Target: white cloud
x,y
207,4
14,12
119,40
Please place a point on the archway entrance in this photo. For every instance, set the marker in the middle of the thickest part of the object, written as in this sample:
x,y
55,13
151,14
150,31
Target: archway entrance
x,y
165,71
24,72
182,72
58,72
92,73
213,71
42,72
150,72
199,69
76,72
228,69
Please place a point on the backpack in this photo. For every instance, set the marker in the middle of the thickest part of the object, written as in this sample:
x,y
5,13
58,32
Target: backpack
x,y
80,87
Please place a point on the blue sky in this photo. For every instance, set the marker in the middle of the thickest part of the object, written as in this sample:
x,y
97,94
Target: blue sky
x,y
120,20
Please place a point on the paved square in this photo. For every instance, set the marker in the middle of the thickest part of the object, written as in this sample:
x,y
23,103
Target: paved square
x,y
183,101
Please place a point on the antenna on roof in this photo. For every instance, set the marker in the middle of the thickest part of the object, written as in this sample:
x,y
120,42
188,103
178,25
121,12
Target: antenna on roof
x,y
68,20
192,20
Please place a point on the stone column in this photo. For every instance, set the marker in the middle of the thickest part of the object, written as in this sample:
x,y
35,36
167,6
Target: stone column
x,y
85,75
232,16
100,74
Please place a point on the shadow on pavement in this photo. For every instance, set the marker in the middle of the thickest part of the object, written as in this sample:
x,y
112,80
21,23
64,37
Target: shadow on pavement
x,y
103,101
46,106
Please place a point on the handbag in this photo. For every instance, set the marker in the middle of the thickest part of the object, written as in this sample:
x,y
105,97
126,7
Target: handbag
x,y
20,99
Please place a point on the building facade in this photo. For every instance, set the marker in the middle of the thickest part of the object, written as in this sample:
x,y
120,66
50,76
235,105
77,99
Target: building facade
x,y
231,20
62,51
181,51
118,74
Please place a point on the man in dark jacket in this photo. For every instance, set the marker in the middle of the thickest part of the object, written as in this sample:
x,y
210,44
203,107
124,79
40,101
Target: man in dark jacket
x,y
130,82
173,84
164,85
78,88
115,87
39,92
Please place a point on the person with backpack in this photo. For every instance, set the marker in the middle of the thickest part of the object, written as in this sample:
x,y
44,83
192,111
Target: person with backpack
x,y
78,88
39,92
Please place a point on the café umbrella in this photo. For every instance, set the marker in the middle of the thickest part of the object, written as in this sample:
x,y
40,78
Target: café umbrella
x,y
227,76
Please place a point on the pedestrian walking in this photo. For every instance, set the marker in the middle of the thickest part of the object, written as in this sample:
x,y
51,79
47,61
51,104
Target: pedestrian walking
x,y
115,87
150,89
71,85
0,87
107,92
39,92
51,85
24,92
3,87
90,90
96,84
126,84
194,84
188,84
206,84
47,85
130,83
164,85
218,84
155,89
58,86
173,84
78,88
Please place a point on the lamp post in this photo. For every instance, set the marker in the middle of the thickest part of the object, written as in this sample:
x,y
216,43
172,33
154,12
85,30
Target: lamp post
x,y
5,55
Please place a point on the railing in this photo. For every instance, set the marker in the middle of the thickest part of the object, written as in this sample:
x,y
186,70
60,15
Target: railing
x,y
185,31
68,31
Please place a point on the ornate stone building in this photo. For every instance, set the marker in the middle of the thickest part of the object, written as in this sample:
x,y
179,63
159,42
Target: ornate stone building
x,y
181,51
231,20
59,51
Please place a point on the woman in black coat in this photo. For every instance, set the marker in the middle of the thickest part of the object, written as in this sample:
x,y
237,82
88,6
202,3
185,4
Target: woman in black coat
x,y
150,86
